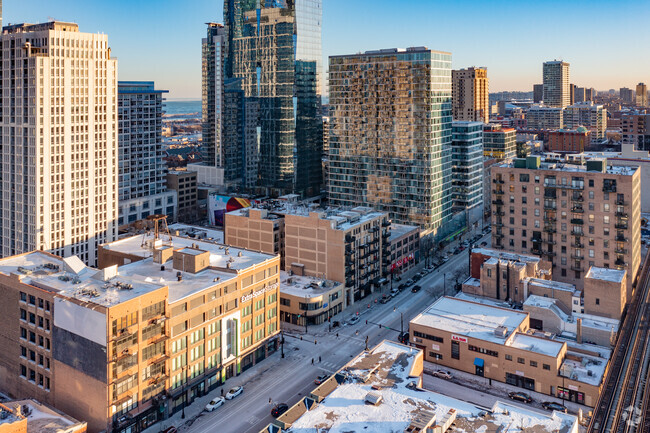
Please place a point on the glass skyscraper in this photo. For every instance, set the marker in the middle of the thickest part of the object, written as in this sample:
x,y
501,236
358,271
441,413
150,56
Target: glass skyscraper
x,y
467,164
390,134
274,47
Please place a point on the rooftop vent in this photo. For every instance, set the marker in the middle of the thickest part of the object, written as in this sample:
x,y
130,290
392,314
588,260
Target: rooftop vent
x,y
501,331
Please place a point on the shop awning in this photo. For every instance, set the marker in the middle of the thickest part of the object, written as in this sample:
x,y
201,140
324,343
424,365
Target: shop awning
x,y
479,362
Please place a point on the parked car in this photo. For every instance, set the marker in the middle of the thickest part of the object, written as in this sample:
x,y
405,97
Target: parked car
x,y
322,378
417,277
354,320
442,374
445,258
279,409
520,396
416,288
384,299
234,392
170,430
397,278
409,282
462,247
401,287
551,405
425,272
394,292
215,403
465,244
457,251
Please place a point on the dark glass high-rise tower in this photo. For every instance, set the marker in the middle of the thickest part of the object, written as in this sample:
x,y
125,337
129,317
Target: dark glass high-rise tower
x,y
274,47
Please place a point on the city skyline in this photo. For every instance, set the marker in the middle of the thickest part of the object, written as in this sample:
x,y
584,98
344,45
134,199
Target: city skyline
x,y
168,50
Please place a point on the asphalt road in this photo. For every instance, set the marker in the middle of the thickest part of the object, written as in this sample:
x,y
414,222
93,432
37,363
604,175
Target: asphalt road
x,y
288,379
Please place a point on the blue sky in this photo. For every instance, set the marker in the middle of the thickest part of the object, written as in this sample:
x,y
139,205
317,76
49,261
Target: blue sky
x,y
605,42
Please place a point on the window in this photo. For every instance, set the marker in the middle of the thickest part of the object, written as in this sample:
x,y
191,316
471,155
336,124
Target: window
x,y
533,363
455,350
435,355
521,360
591,183
429,336
597,301
508,357
524,199
483,350
524,222
546,366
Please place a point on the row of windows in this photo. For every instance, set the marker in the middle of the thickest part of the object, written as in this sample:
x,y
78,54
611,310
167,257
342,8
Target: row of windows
x,y
428,336
32,300
531,362
32,338
35,378
483,350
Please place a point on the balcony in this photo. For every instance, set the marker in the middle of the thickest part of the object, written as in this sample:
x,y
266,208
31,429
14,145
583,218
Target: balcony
x,y
500,213
498,181
550,253
498,224
550,229
550,241
609,188
620,238
537,251
620,262
385,224
577,221
577,233
552,220
578,257
621,226
497,235
578,199
577,209
550,185
550,194
550,206
349,238
498,191
621,202
578,268
498,202
578,245
621,214
620,251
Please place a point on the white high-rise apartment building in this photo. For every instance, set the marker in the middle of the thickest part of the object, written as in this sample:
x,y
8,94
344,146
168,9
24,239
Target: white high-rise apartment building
x,y
556,84
59,140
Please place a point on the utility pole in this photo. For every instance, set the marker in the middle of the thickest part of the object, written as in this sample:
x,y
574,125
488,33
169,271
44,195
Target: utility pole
x,y
444,284
401,320
282,344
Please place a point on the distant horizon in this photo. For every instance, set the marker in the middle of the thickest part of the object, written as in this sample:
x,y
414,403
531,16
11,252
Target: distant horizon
x,y
161,41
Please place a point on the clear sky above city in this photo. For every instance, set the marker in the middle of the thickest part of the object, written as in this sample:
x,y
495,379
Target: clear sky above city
x,y
160,40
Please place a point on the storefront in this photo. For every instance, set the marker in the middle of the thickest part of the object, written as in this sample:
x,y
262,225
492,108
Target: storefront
x,y
571,394
520,381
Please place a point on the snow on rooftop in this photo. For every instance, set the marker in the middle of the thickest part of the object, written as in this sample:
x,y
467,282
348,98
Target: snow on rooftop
x,y
555,285
506,255
399,230
552,164
471,281
470,319
536,344
298,285
605,274
344,410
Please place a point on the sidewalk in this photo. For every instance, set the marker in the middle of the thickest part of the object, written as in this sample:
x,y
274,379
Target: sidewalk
x,y
195,410
500,389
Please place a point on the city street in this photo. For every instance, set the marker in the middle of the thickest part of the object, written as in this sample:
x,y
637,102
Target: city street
x,y
287,380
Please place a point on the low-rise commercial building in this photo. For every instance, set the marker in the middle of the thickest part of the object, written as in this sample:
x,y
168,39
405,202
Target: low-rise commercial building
x,y
309,300
497,343
404,243
347,246
381,389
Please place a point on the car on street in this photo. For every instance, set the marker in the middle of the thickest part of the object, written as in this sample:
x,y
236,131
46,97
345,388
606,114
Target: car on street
x,y
234,392
322,378
170,430
484,244
416,288
215,403
551,405
384,299
279,409
417,277
394,292
445,258
401,287
425,272
354,320
465,244
520,396
457,251
409,282
462,247
397,278
442,374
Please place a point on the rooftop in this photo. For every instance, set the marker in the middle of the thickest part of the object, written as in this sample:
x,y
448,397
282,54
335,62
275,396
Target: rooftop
x,y
605,274
507,256
575,168
538,345
399,230
585,363
554,285
297,285
390,371
470,319
42,419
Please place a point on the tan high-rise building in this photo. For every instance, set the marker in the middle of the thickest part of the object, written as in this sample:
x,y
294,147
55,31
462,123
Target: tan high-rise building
x,y
557,89
641,95
59,151
576,216
470,94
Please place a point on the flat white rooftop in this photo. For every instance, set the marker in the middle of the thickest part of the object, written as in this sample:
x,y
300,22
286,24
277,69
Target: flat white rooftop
x,y
553,285
399,230
536,344
605,274
297,285
574,168
470,319
220,255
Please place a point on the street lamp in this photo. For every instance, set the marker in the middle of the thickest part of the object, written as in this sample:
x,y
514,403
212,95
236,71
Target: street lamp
x,y
282,343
